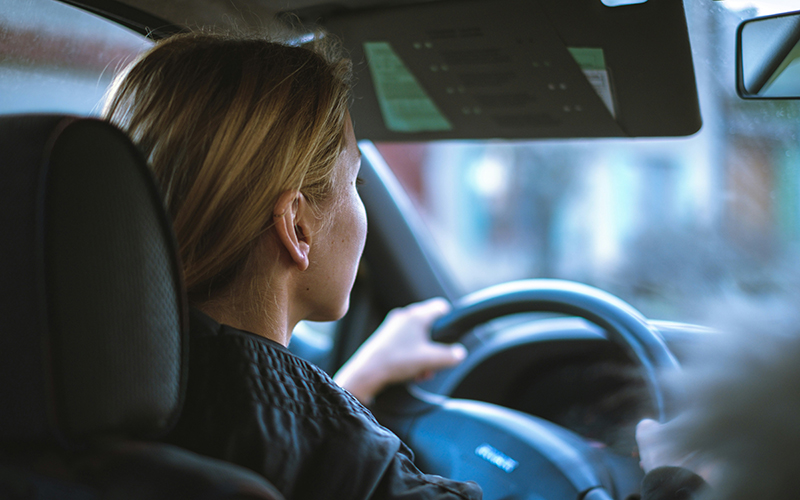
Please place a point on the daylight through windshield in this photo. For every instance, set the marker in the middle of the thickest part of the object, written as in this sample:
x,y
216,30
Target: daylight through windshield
x,y
665,224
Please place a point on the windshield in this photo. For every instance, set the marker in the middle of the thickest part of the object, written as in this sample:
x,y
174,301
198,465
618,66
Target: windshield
x,y
665,224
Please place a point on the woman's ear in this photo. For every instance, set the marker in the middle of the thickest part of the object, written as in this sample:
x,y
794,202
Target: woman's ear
x,y
293,219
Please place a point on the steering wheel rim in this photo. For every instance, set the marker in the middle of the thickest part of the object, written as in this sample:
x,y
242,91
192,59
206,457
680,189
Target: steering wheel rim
x,y
625,326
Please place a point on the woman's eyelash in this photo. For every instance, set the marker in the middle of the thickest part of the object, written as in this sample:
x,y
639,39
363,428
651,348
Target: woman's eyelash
x,y
360,181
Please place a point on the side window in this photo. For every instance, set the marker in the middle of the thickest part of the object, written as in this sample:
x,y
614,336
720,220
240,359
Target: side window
x,y
58,59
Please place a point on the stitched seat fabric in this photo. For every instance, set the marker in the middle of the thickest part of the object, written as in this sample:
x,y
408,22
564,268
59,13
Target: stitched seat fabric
x,y
90,293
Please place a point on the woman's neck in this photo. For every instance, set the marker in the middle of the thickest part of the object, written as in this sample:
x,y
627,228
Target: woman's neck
x,y
263,300
262,315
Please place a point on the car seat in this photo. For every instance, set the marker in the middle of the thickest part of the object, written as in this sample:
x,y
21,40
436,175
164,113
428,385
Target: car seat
x,y
93,343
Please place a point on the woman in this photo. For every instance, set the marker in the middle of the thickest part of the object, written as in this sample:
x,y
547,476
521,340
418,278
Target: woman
x,y
253,145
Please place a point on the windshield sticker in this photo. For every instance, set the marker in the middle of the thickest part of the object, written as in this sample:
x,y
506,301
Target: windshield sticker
x,y
496,457
593,64
404,104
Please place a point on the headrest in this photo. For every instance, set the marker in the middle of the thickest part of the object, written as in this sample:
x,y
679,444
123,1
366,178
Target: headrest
x,y
92,310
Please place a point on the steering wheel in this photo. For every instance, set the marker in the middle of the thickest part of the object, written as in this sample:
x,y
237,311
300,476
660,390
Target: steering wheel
x,y
513,455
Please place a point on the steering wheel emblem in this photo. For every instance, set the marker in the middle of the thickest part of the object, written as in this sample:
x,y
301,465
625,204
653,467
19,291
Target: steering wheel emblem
x,y
496,457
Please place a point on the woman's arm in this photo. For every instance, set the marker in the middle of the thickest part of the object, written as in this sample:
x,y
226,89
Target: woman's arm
x,y
399,350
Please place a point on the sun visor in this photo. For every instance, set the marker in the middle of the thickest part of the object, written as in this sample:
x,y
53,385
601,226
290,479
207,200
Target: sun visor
x,y
520,69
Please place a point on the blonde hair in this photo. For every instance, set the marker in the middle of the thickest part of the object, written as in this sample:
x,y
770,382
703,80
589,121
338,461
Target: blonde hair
x,y
228,124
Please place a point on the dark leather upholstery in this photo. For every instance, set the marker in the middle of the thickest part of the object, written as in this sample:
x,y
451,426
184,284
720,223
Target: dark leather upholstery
x,y
93,340
92,309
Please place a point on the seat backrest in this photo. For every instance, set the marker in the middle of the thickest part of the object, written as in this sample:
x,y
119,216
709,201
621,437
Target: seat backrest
x,y
93,338
91,308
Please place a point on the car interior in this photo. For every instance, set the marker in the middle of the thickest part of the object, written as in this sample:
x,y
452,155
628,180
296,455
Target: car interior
x,y
561,366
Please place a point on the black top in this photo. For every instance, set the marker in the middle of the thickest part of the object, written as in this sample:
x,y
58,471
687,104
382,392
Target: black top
x,y
252,402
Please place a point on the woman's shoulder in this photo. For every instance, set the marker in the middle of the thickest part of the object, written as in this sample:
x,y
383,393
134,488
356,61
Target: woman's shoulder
x,y
252,402
267,371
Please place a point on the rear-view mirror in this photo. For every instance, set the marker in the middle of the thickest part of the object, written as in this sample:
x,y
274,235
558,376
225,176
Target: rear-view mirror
x,y
768,57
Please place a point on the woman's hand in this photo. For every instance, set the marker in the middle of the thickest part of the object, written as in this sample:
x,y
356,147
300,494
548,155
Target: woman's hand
x,y
653,450
398,351
656,450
